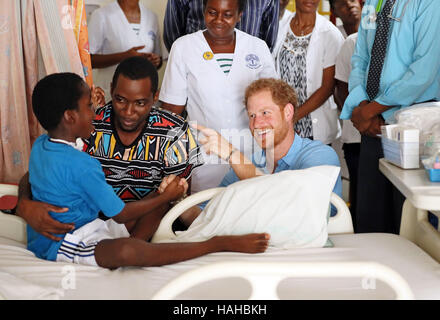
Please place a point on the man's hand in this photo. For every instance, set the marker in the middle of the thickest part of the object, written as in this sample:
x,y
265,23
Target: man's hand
x,y
366,117
98,97
36,214
360,118
214,142
374,128
168,179
174,190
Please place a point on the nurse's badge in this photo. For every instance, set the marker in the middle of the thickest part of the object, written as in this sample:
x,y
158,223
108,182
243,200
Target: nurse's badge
x,y
252,61
208,55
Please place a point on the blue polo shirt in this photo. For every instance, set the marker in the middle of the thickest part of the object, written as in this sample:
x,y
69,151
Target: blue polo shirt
x,y
304,153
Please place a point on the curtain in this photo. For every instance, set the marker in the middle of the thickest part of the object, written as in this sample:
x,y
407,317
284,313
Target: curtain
x,y
82,38
36,38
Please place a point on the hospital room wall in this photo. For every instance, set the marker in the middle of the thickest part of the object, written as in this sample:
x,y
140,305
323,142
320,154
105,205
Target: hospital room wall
x,y
159,7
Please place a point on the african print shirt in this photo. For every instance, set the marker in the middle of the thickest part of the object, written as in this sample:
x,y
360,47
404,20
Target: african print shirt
x,y
166,146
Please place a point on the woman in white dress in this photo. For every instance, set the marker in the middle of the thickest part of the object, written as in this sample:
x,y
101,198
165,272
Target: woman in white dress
x,y
305,59
119,30
207,73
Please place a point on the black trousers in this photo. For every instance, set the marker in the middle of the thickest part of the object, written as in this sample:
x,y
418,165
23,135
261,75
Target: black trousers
x,y
351,155
379,203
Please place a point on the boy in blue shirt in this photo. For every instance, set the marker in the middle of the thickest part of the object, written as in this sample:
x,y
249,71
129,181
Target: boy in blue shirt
x,y
62,175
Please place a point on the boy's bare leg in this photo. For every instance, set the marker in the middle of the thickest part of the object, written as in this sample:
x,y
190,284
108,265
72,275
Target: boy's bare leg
x,y
190,215
145,227
123,252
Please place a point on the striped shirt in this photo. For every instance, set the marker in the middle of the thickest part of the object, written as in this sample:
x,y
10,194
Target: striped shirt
x,y
225,61
260,19
166,146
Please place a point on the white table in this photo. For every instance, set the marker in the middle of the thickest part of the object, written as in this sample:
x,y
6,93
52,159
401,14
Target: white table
x,y
421,195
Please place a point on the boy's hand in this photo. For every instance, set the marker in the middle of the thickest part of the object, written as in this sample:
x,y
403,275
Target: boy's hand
x,y
36,214
174,190
167,180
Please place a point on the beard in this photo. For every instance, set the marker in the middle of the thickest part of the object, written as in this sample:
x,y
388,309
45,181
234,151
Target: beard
x,y
269,138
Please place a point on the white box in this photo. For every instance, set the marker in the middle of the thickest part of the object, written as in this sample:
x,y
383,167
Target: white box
x,y
402,154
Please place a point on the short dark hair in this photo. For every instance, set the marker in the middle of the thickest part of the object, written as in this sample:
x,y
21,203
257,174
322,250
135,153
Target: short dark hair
x,y
241,5
54,94
136,68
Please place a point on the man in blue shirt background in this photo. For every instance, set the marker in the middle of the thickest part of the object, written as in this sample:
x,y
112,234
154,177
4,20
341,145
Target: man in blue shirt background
x,y
410,75
271,106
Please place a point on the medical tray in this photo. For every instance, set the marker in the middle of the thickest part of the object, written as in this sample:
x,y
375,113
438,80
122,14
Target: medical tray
x,y
433,174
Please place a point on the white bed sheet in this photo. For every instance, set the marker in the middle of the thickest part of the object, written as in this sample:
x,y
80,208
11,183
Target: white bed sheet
x,y
68,281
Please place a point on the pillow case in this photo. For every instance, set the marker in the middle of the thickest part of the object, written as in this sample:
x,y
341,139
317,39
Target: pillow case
x,y
292,206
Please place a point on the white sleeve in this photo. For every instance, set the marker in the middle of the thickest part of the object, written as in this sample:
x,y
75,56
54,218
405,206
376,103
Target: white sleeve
x,y
157,41
96,32
343,61
269,70
174,88
333,42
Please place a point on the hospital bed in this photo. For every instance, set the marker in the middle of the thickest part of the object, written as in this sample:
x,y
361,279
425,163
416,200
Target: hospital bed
x,y
358,266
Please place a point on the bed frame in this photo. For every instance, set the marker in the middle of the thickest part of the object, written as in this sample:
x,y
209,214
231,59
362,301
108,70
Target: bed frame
x,y
11,227
263,276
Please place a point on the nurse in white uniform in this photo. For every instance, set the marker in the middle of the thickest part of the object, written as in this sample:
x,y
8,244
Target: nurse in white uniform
x,y
285,17
305,59
117,31
208,71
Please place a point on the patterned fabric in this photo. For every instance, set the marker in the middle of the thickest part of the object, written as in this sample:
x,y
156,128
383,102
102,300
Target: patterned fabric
x,y
379,50
260,19
82,38
24,58
293,70
166,146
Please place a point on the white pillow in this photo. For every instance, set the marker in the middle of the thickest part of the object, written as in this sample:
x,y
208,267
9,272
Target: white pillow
x,y
292,206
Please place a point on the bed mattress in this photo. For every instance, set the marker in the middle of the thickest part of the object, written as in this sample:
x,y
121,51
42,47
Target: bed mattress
x,y
23,276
